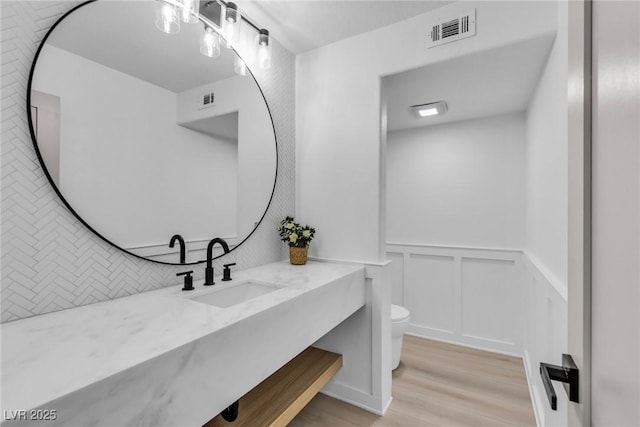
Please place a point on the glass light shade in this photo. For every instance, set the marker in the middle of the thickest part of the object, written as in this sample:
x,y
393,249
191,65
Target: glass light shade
x,y
189,11
166,18
231,25
239,66
210,43
264,49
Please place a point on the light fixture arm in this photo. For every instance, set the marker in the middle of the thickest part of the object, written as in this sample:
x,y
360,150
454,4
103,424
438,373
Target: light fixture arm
x,y
220,2
244,18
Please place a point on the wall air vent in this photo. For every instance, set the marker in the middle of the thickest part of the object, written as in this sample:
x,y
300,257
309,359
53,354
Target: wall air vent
x,y
451,29
206,100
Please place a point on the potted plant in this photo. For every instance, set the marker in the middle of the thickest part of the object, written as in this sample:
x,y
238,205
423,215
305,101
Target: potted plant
x,y
298,239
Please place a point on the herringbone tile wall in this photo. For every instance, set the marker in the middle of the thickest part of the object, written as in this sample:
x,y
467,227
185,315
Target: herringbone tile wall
x,y
50,261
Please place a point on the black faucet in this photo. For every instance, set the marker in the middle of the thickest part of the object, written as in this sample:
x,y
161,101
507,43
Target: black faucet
x,y
226,274
188,280
180,240
208,272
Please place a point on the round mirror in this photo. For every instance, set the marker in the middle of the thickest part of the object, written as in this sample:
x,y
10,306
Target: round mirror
x,y
144,137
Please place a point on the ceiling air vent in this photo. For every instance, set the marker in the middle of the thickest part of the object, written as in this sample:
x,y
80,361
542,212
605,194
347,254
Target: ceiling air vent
x,y
452,29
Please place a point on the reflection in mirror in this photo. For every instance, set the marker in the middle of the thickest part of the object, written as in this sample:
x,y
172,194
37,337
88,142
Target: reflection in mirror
x,y
144,137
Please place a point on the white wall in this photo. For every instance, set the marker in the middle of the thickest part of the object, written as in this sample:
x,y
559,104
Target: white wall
x,y
458,184
546,169
122,153
339,144
256,153
341,139
546,240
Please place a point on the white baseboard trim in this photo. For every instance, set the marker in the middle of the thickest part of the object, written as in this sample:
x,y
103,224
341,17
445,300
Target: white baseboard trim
x,y
537,410
355,397
386,407
465,341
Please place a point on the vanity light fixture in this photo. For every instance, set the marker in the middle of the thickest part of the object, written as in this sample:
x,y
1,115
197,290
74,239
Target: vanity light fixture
x,y
264,49
224,20
231,25
430,109
189,11
167,18
210,42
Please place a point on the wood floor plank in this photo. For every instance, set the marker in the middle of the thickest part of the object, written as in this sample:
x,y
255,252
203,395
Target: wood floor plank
x,y
438,384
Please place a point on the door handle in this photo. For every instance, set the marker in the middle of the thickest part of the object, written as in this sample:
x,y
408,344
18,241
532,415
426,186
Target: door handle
x,y
568,374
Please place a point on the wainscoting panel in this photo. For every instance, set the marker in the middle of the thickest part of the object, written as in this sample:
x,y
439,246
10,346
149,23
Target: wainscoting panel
x,y
468,296
430,298
489,297
498,300
545,338
396,269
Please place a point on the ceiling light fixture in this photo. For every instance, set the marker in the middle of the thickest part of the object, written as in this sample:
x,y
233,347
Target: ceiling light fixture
x,y
221,19
430,109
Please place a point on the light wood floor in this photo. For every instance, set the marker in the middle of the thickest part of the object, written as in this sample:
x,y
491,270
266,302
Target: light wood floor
x,y
438,384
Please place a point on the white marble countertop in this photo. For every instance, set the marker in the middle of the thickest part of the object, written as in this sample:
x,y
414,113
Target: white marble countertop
x,y
49,356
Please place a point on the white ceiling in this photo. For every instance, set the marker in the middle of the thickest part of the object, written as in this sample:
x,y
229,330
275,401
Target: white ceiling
x,y
122,35
302,25
484,84
490,83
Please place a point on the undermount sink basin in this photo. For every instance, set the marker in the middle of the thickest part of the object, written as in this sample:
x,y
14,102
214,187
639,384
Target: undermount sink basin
x,y
235,294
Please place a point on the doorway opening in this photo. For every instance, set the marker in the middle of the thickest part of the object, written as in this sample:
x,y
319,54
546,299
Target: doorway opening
x,y
476,203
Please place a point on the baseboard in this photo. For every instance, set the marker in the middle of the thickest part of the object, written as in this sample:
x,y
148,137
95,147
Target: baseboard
x,y
537,410
355,397
476,343
386,407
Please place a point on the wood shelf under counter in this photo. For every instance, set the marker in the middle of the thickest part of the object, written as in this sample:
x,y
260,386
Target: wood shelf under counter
x,y
279,398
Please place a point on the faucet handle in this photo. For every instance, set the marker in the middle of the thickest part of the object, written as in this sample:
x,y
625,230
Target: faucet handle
x,y
188,280
226,273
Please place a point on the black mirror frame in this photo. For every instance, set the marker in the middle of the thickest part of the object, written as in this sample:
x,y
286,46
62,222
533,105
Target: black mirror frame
x,y
66,203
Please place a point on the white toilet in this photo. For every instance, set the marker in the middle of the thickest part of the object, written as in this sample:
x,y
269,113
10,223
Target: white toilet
x,y
399,323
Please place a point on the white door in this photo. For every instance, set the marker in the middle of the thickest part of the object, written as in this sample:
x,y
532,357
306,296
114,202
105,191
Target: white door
x,y
604,211
615,360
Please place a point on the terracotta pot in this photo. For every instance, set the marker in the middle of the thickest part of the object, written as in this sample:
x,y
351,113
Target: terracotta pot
x,y
298,256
